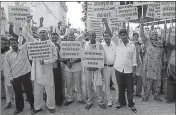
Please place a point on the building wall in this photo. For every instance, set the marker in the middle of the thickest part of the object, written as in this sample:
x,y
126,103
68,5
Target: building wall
x,y
38,9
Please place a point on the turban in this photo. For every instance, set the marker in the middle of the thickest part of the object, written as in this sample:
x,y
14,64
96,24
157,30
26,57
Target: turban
x,y
42,29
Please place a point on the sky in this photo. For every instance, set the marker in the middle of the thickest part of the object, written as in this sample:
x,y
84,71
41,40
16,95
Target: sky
x,y
74,14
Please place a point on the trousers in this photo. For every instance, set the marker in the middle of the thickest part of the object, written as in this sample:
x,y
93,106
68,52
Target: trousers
x,y
17,86
125,81
108,73
38,96
72,79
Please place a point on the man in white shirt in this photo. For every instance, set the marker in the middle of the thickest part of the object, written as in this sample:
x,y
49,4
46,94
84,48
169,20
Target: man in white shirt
x,y
9,93
93,74
42,71
125,66
73,71
108,70
19,68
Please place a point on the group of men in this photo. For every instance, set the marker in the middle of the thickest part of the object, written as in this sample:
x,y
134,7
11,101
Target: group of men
x,y
121,63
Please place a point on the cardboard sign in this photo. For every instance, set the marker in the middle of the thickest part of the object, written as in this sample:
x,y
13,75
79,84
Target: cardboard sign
x,y
3,16
167,10
93,58
127,12
150,11
102,9
39,50
141,3
161,10
70,49
18,14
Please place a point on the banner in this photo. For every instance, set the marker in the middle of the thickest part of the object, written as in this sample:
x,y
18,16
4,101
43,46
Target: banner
x,y
18,14
141,3
70,49
127,12
102,9
3,16
39,50
93,58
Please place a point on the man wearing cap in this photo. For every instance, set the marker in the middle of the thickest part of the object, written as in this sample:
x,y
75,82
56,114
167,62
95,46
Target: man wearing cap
x,y
125,65
42,72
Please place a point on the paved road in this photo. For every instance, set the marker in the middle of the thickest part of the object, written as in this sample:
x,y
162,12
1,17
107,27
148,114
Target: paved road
x,y
144,108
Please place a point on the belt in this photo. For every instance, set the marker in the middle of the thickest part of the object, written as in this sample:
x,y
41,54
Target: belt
x,y
108,65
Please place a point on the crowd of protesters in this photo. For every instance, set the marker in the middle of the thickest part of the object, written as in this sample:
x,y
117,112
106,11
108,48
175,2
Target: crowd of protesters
x,y
145,61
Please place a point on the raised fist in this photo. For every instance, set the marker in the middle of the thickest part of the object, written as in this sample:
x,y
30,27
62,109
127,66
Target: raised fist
x,y
41,19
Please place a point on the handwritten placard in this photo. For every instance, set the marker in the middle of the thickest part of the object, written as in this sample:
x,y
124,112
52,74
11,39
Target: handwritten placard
x,y
70,49
39,50
93,58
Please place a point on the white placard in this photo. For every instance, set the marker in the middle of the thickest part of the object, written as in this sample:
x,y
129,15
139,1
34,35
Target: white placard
x,y
18,14
150,11
93,58
3,16
70,49
39,50
127,12
167,10
101,9
141,3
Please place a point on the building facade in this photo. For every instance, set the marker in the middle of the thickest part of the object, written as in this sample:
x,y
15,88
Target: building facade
x,y
52,12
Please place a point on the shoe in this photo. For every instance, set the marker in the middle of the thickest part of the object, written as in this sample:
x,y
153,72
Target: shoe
x,y
67,103
52,110
103,106
88,106
109,103
158,99
36,111
17,112
112,88
7,106
3,97
138,95
133,109
119,106
82,102
144,99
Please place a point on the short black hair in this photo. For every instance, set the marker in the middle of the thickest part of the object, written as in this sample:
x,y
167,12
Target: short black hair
x,y
13,39
123,31
105,32
53,34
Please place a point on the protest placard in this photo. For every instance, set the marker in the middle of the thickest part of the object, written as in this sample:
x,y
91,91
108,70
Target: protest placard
x,y
167,10
39,50
150,11
127,12
93,58
70,49
18,14
101,9
141,3
3,16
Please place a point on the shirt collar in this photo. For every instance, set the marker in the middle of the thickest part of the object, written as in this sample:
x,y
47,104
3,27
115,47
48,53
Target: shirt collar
x,y
129,42
109,45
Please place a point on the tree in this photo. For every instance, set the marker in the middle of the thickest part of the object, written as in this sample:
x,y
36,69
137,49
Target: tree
x,y
84,11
